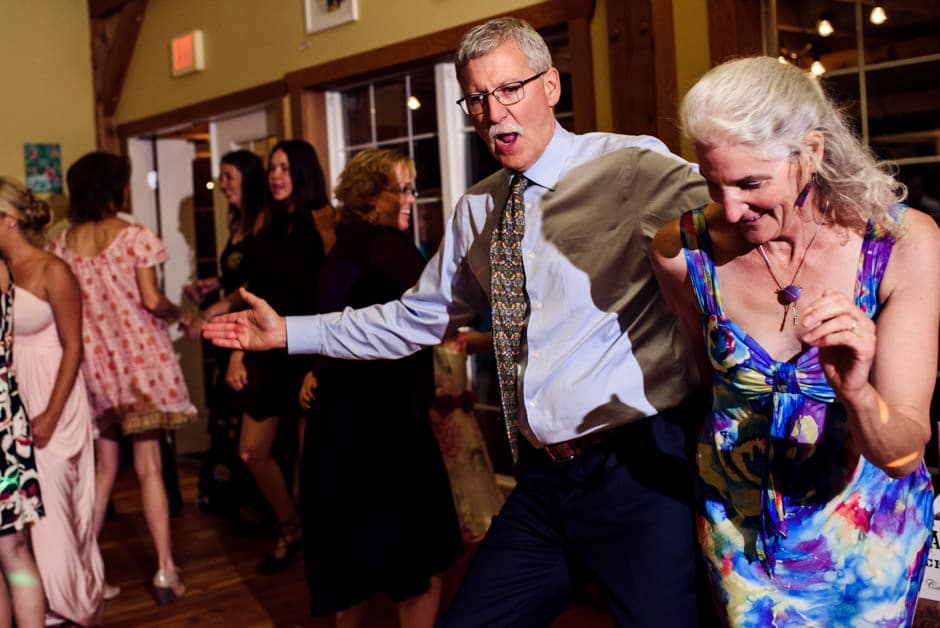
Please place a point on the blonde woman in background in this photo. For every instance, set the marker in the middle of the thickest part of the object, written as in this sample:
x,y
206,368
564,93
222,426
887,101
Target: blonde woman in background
x,y
377,508
21,594
47,350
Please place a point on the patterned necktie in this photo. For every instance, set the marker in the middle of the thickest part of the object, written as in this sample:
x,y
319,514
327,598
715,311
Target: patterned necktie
x,y
508,300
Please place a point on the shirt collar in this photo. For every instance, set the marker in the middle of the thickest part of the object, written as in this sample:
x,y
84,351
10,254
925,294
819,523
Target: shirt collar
x,y
546,171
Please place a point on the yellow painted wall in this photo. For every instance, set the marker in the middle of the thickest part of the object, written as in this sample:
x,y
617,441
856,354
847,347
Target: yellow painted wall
x,y
251,42
690,19
47,94
600,51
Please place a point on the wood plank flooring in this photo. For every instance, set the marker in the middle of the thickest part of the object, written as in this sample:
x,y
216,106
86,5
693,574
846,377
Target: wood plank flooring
x,y
218,567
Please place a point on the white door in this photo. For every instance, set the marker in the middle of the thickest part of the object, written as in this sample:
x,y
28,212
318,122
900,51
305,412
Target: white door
x,y
167,164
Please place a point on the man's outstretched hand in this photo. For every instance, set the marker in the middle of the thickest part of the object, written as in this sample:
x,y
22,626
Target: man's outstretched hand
x,y
255,329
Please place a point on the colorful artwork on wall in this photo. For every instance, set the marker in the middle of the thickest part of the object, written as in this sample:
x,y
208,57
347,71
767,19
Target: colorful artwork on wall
x,y
43,167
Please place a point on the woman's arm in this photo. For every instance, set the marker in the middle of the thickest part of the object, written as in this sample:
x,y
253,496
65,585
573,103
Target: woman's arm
x,y
230,303
669,267
153,300
197,289
236,375
884,373
65,297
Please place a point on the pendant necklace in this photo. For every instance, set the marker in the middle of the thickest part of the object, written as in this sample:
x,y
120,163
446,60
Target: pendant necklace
x,y
788,295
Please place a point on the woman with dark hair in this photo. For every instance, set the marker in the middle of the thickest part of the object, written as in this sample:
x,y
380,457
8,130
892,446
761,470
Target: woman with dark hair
x,y
289,251
378,512
242,183
134,382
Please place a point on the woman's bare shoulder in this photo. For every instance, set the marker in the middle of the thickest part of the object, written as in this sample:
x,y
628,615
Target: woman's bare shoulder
x,y
94,237
916,254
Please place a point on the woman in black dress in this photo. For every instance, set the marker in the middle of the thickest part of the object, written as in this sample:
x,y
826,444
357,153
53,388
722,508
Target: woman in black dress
x,y
242,182
289,250
377,508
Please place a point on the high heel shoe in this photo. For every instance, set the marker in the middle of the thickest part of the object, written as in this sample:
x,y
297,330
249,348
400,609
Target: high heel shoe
x,y
291,540
110,591
167,586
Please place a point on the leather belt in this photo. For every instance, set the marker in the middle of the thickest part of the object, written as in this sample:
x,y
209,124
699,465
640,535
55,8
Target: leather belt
x,y
568,449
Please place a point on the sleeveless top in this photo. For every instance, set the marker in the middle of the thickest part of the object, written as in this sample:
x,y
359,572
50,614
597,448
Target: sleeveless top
x,y
37,352
20,497
235,262
796,533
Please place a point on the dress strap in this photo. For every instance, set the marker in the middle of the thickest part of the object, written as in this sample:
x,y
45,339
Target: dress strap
x,y
876,251
697,246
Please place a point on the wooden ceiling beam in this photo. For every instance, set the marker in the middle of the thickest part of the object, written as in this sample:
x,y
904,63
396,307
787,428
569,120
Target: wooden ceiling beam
x,y
119,53
99,9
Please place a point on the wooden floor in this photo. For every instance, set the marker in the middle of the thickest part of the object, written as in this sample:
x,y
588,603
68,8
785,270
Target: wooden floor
x,y
218,567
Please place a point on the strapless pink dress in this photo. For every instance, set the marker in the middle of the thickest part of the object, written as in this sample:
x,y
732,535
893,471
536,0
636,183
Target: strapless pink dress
x,y
64,541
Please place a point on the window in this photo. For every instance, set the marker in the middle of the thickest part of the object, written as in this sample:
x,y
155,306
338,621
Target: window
x,y
882,62
397,112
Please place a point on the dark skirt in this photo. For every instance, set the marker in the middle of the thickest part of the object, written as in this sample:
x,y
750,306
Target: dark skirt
x,y
378,514
274,380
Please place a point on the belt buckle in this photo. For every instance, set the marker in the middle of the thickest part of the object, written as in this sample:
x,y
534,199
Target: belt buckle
x,y
562,452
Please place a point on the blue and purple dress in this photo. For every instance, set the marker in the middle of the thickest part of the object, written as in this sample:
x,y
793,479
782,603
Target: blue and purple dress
x,y
795,530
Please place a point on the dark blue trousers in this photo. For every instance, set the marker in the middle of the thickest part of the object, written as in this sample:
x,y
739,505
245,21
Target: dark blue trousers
x,y
620,513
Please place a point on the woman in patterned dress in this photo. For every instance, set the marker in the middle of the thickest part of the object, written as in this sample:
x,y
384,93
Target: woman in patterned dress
x,y
135,384
821,347
20,499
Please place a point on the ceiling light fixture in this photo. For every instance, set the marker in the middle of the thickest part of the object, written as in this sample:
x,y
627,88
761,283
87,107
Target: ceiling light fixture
x,y
413,103
878,15
818,69
824,25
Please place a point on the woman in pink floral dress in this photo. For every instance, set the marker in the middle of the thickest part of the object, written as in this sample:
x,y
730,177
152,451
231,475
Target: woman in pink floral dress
x,y
134,381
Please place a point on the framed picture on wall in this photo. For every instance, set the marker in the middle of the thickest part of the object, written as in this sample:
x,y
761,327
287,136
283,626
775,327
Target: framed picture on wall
x,y
323,14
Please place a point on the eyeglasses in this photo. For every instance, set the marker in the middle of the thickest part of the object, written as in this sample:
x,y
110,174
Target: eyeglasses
x,y
404,189
508,94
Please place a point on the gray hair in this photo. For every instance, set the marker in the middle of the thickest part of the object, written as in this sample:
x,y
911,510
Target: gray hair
x,y
485,38
764,103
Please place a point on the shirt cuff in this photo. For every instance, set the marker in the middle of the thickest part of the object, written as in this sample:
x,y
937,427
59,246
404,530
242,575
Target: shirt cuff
x,y
303,334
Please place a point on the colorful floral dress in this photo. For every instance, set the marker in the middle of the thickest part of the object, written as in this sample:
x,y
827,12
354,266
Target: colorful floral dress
x,y
20,499
130,367
794,532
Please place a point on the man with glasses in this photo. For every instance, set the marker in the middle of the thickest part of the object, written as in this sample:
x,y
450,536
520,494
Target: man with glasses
x,y
593,375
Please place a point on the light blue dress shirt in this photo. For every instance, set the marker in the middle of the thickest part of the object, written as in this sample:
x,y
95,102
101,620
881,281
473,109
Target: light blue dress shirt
x,y
600,348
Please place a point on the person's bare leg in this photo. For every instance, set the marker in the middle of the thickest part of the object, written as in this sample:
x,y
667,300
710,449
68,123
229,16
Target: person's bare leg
x,y
22,576
352,617
107,462
6,613
255,443
149,469
420,611
301,427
